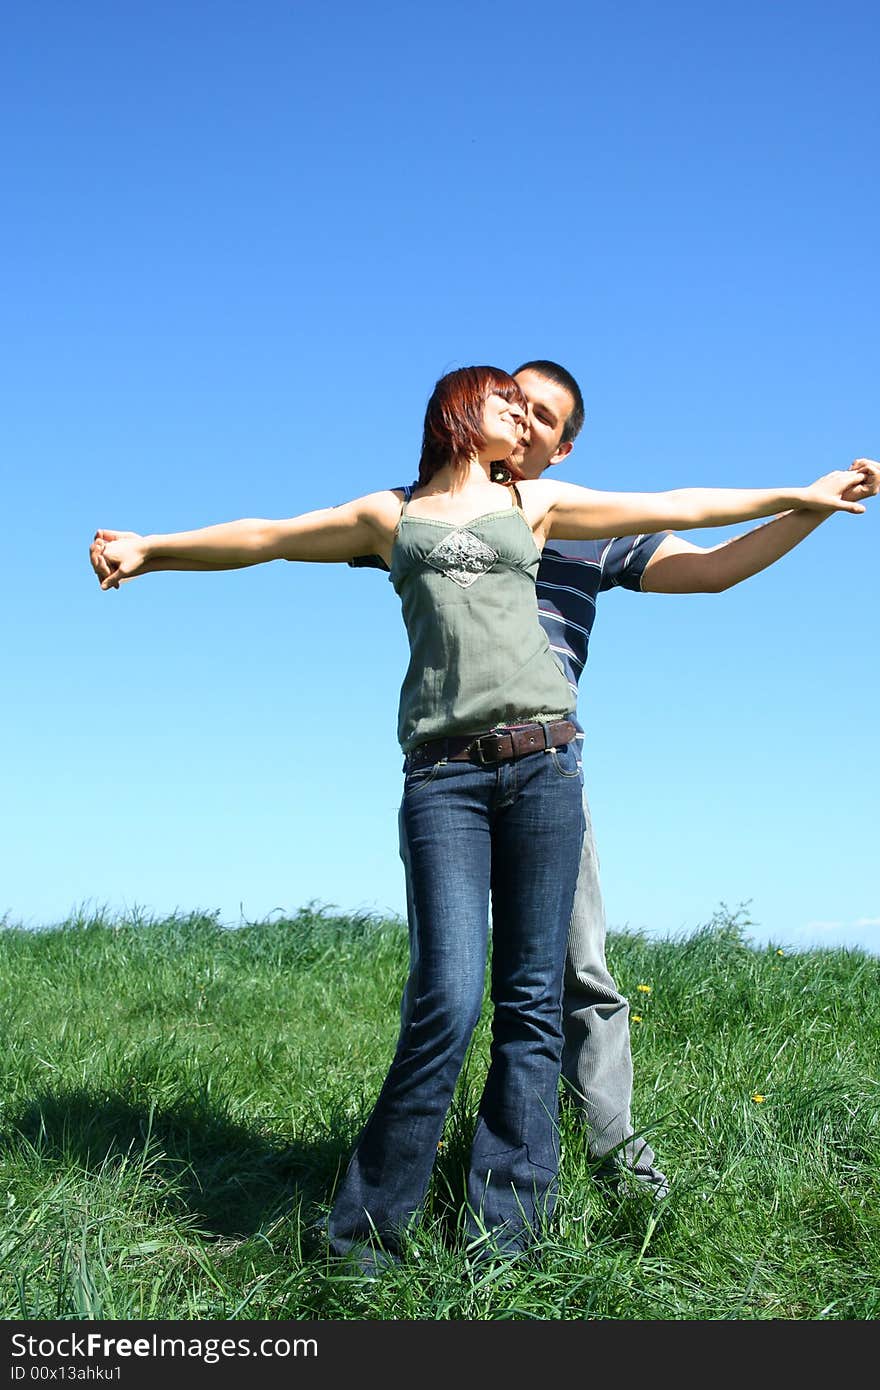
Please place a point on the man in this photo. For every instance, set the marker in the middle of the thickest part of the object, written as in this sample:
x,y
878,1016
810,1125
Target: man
x,y
597,1062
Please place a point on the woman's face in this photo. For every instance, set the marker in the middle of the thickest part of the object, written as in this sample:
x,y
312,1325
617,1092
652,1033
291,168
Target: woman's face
x,y
504,424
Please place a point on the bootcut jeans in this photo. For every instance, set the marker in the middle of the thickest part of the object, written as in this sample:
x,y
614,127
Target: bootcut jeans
x,y
509,833
597,1066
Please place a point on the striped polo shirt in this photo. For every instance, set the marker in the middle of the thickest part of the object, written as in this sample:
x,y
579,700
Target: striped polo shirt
x,y
571,576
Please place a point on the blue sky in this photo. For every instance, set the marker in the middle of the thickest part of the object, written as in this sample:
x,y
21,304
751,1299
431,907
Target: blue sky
x,y
241,242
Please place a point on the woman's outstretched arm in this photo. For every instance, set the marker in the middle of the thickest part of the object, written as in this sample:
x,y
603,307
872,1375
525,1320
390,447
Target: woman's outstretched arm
x,y
579,513
331,534
105,536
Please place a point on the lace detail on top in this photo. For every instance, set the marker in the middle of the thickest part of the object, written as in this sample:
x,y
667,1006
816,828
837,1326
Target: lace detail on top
x,y
462,557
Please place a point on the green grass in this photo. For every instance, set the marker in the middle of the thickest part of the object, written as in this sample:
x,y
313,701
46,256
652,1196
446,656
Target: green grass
x,y
178,1100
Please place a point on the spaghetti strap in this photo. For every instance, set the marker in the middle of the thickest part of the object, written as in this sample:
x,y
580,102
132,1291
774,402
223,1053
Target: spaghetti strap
x,y
405,501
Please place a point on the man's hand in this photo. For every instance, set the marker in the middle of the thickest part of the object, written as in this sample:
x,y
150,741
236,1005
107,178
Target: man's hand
x,y
116,557
842,490
854,484
868,484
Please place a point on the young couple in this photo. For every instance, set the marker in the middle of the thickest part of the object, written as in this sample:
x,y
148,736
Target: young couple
x,y
492,806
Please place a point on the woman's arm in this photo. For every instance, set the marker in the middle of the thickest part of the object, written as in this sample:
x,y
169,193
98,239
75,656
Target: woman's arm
x,y
331,534
102,568
578,513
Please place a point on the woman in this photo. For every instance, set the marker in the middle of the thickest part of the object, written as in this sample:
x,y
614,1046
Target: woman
x,y
492,802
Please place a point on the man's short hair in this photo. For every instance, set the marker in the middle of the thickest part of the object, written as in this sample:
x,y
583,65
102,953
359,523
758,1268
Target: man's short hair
x,y
553,372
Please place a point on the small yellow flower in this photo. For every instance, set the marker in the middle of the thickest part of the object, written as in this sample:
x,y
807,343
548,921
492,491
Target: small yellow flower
x,y
780,952
636,1018
645,989
758,1098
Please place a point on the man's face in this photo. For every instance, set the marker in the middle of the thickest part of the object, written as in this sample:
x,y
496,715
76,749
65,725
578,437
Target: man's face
x,y
549,407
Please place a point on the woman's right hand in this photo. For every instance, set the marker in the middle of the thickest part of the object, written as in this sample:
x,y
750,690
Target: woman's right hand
x,y
117,556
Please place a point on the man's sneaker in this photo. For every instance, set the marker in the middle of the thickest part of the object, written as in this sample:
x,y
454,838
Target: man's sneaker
x,y
640,1181
367,1262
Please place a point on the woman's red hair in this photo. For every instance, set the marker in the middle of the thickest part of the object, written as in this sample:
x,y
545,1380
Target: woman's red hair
x,y
454,417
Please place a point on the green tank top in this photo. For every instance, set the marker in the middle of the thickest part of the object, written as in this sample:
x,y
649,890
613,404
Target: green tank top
x,y
478,654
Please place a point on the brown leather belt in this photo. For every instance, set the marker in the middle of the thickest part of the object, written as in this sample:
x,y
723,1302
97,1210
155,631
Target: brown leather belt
x,y
494,746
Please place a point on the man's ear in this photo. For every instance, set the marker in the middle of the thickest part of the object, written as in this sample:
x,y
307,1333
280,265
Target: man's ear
x,y
562,452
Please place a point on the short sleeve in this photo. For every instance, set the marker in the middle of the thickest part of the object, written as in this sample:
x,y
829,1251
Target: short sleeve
x,y
375,562
368,562
625,560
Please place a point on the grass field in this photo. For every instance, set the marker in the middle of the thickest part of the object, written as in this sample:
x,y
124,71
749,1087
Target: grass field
x,y
178,1100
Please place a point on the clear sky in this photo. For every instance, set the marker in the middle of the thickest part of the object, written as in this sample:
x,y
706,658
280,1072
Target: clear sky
x,y
240,243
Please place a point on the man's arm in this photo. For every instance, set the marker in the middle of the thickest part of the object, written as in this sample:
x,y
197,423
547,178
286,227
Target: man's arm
x,y
680,567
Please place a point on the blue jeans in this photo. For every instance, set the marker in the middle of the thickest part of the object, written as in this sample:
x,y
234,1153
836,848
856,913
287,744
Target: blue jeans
x,y
597,1059
511,833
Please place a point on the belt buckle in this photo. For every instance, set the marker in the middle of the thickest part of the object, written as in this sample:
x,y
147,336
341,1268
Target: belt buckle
x,y
479,752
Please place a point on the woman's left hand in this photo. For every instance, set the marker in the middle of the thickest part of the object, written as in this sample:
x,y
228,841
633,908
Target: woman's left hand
x,y
841,490
868,484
